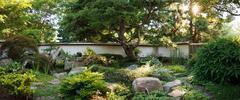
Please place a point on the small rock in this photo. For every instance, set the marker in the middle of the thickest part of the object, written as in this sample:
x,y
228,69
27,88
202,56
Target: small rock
x,y
55,82
147,84
77,70
37,83
60,75
68,64
177,93
169,85
5,62
132,67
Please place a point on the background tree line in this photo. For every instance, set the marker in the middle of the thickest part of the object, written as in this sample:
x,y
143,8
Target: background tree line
x,y
128,22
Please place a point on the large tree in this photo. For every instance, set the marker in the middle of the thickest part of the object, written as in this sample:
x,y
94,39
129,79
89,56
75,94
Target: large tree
x,y
122,21
33,18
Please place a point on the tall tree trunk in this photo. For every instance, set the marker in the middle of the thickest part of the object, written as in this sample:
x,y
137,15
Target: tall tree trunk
x,y
128,48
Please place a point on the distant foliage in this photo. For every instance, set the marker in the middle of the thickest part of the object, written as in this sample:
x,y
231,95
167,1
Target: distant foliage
x,y
18,45
83,86
218,61
91,57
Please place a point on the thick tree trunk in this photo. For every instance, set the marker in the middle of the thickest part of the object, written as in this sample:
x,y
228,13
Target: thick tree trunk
x,y
128,48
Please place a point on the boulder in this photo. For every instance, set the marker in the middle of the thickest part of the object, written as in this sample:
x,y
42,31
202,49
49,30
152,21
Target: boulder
x,y
132,67
77,70
169,85
177,93
60,75
55,82
68,64
147,84
5,62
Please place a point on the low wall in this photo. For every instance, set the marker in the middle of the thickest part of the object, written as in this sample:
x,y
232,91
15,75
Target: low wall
x,y
105,48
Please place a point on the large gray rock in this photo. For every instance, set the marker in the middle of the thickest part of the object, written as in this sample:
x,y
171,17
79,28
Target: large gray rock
x,y
77,70
68,65
147,84
60,75
5,62
168,86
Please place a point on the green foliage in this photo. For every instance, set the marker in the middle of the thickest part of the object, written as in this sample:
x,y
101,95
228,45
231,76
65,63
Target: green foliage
x,y
194,95
223,92
83,86
176,68
16,83
155,95
163,74
43,63
201,24
218,61
120,89
18,45
113,96
152,61
90,57
13,67
114,75
90,52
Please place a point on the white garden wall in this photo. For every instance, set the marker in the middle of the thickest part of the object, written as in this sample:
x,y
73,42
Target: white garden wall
x,y
102,48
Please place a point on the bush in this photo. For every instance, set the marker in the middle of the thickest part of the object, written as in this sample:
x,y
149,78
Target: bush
x,y
218,61
155,95
83,86
194,95
16,83
114,75
152,61
90,57
18,45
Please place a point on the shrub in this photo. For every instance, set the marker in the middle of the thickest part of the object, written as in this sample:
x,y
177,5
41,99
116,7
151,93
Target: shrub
x,y
176,68
13,67
16,46
113,96
163,74
155,95
83,86
114,75
218,61
152,61
121,89
90,57
16,83
194,95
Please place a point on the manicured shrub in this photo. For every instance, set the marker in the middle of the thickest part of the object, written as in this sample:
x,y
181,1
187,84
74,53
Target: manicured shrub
x,y
16,46
17,83
218,61
83,86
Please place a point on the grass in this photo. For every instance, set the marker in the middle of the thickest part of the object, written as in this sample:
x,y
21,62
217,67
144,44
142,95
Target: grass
x,y
44,90
176,68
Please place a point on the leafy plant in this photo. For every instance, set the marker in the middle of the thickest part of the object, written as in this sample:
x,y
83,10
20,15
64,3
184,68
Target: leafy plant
x,y
13,67
176,68
218,61
194,95
113,96
16,83
155,95
83,86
